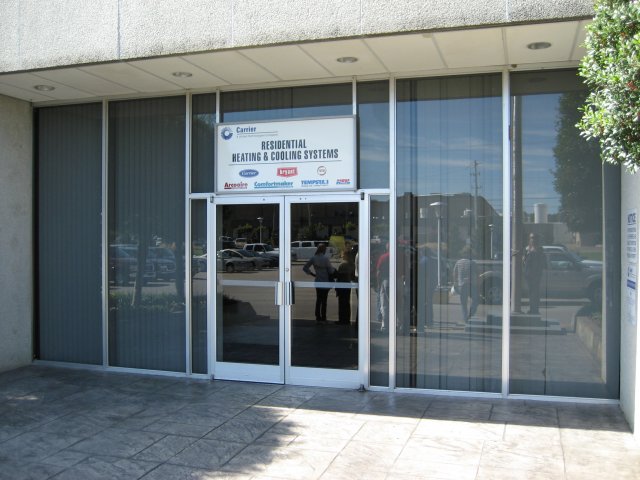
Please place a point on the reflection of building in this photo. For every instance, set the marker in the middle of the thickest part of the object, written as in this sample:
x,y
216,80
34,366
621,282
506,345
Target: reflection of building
x,y
107,128
462,215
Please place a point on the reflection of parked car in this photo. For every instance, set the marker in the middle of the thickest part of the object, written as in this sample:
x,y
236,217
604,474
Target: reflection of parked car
x,y
164,262
120,263
259,261
231,261
198,264
566,276
305,249
123,265
265,250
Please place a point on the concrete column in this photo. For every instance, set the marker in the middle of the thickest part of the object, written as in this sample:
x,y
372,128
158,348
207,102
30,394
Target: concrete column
x,y
630,334
16,237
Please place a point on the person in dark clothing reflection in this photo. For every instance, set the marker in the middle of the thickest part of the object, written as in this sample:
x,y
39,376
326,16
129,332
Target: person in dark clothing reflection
x,y
346,274
323,272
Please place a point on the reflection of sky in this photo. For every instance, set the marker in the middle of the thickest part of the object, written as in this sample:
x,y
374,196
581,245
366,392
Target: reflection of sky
x,y
440,141
539,132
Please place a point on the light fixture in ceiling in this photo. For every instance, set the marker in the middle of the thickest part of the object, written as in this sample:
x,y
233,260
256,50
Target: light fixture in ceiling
x,y
347,59
44,88
538,45
182,74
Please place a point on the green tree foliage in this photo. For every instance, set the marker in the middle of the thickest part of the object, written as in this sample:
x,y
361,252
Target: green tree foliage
x,y
611,69
578,173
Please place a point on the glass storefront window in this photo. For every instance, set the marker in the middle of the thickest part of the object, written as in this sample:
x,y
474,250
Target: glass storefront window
x,y
559,328
146,234
199,278
373,134
284,103
449,217
69,200
378,290
203,121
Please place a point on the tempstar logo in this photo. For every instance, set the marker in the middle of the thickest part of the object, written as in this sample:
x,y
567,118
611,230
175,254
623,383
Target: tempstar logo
x,y
288,171
235,186
314,183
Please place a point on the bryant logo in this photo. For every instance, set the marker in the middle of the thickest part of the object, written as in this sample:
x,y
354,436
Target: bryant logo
x,y
287,171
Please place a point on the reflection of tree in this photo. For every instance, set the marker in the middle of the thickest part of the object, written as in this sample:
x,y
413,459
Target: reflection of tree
x,y
578,173
147,181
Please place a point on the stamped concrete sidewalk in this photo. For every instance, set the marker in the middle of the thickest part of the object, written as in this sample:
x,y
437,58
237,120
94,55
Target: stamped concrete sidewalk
x,y
74,424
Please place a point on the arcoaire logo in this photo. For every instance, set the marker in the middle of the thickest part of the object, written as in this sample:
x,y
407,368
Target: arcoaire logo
x,y
226,133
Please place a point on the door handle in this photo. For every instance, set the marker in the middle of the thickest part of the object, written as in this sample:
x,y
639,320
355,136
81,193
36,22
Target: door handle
x,y
289,294
279,292
292,293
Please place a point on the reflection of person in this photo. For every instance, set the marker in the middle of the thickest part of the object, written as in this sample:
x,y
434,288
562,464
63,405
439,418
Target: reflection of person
x,y
382,276
535,262
346,274
428,271
323,271
465,279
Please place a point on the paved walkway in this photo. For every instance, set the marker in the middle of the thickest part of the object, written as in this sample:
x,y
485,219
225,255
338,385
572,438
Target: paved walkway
x,y
71,424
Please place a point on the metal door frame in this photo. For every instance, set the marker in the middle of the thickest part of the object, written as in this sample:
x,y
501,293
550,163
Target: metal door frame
x,y
284,372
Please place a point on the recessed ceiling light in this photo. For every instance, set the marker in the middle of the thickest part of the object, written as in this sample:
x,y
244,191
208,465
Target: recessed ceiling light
x,y
44,88
538,45
182,74
347,59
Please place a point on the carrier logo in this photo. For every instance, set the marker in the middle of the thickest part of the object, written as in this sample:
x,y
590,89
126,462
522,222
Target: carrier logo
x,y
248,173
314,183
322,170
343,181
288,171
235,186
226,133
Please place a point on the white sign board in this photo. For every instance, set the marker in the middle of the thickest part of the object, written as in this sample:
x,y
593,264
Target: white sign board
x,y
286,156
631,232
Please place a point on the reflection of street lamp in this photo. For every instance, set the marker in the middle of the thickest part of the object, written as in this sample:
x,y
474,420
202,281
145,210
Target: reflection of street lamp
x,y
491,240
438,208
260,219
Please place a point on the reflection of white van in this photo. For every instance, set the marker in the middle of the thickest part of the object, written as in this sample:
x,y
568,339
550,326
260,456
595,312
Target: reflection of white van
x,y
305,249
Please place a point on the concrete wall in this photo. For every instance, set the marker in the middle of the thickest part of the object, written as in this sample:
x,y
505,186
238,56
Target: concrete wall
x,y
37,34
16,239
629,360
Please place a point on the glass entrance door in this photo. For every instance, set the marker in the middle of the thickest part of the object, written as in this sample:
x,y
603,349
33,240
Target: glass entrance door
x,y
249,300
323,328
286,289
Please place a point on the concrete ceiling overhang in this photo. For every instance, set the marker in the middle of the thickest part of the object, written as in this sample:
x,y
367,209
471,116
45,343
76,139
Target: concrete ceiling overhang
x,y
430,53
